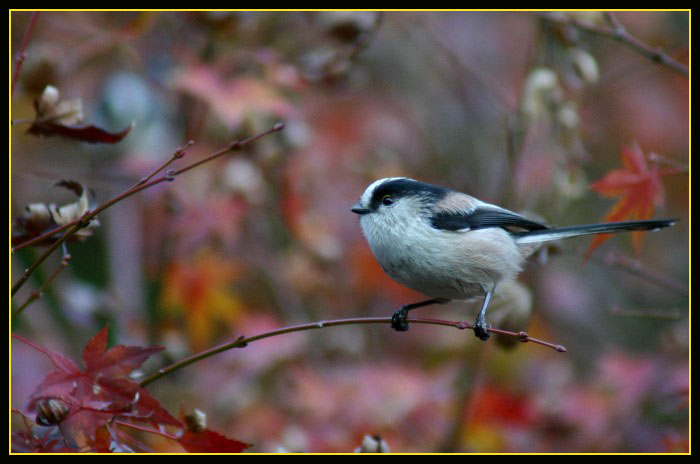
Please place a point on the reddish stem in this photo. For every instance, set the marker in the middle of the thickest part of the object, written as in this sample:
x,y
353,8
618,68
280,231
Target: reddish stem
x,y
78,224
21,53
619,33
242,341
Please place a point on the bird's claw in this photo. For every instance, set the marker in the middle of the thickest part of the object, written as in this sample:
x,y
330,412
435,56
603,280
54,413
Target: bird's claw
x,y
481,329
398,320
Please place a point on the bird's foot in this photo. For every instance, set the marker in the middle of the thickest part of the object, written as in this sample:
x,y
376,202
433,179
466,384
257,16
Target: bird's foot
x,y
398,320
481,329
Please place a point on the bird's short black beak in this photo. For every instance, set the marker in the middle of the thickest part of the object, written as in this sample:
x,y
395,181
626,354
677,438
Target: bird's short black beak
x,y
358,209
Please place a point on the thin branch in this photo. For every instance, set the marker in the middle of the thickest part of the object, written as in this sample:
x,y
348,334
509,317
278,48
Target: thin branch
x,y
619,33
30,270
21,54
36,294
636,268
242,341
45,236
179,153
676,167
646,313
84,221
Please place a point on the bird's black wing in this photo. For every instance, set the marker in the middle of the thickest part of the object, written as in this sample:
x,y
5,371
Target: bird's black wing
x,y
482,218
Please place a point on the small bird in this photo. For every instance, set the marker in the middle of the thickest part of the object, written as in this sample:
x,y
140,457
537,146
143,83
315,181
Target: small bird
x,y
452,246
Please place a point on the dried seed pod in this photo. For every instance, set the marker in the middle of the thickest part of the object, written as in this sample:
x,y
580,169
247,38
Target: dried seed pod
x,y
51,411
196,421
372,444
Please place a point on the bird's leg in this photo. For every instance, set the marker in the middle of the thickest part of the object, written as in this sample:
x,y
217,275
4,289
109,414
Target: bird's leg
x,y
398,320
480,325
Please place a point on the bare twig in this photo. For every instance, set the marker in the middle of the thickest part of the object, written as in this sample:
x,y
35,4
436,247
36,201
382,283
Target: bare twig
x,y
242,341
649,313
179,153
78,224
636,268
21,54
675,166
30,270
45,236
619,33
36,294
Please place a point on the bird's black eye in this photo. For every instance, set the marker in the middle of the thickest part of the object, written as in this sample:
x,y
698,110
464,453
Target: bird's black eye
x,y
387,200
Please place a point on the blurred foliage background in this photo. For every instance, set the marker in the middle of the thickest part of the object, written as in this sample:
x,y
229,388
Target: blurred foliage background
x,y
510,107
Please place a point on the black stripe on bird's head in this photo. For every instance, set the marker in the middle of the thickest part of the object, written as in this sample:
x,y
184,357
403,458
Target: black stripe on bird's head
x,y
388,192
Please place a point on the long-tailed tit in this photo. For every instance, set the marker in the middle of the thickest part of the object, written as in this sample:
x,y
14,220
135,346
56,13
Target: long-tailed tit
x,y
451,246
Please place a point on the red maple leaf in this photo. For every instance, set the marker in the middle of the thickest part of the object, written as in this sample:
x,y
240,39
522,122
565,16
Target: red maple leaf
x,y
102,391
27,441
209,441
639,187
198,439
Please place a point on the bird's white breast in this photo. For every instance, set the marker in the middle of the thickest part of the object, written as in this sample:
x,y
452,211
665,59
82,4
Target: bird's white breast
x,y
441,264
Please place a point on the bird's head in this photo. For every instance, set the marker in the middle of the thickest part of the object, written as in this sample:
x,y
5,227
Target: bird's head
x,y
396,201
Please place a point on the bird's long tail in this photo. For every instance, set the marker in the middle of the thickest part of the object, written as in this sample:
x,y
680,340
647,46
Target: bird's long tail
x,y
545,235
